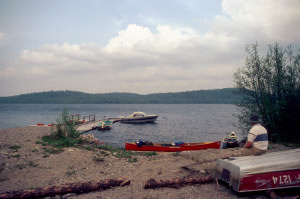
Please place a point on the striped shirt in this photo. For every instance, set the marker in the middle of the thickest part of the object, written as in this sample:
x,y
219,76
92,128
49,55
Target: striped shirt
x,y
258,135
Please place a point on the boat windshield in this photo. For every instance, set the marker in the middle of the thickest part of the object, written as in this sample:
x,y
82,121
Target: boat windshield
x,y
137,114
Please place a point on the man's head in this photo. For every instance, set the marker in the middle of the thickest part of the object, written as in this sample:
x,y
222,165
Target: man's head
x,y
254,119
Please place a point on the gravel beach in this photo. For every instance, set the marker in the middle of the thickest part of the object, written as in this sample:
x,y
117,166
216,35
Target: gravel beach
x,y
24,164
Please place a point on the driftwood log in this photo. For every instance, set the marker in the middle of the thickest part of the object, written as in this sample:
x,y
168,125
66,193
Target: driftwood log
x,y
81,187
152,183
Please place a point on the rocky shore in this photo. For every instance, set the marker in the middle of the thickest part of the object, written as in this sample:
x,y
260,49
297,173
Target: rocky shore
x,y
24,164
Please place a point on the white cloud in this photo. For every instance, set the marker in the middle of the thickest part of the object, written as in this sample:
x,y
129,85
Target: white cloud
x,y
167,59
3,38
8,72
255,20
55,59
128,39
138,39
50,53
39,71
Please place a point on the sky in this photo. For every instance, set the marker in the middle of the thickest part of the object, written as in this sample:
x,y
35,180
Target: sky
x,y
136,46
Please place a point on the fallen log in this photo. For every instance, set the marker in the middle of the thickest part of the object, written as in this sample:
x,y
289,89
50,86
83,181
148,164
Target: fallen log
x,y
152,183
80,187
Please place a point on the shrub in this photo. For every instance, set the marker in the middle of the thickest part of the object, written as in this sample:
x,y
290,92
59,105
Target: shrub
x,y
270,87
15,147
66,135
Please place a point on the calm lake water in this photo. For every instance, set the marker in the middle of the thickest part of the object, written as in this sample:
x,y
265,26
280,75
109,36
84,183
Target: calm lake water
x,y
176,122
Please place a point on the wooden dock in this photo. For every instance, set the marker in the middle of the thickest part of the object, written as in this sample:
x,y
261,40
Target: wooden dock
x,y
88,126
92,125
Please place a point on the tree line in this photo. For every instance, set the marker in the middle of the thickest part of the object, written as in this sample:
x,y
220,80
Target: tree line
x,y
216,96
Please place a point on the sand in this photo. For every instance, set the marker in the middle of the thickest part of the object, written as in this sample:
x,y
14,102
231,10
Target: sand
x,y
24,164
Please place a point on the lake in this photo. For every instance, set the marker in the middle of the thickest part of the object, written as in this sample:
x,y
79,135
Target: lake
x,y
176,122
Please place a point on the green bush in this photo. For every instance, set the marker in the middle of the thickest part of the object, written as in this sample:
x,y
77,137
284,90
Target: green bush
x,y
66,135
15,147
148,154
65,127
98,159
270,87
132,160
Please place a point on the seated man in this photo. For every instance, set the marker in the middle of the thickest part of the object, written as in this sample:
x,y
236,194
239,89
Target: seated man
x,y
257,142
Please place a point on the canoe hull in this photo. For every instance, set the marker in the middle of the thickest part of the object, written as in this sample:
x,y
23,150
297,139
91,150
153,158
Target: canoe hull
x,y
271,180
275,170
185,147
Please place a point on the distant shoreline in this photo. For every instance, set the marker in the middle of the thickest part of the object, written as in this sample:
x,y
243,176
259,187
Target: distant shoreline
x,y
216,96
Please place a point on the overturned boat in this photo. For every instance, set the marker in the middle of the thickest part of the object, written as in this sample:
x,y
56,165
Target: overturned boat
x,y
276,170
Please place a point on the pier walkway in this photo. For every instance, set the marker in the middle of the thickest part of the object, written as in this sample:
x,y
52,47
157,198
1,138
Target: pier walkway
x,y
88,126
92,125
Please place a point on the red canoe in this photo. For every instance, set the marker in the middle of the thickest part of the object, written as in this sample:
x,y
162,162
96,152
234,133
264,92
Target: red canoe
x,y
173,148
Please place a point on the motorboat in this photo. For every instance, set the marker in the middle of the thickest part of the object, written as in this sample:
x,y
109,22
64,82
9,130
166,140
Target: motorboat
x,y
104,125
138,117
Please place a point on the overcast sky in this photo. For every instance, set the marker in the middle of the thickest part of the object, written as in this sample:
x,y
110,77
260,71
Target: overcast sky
x,y
138,46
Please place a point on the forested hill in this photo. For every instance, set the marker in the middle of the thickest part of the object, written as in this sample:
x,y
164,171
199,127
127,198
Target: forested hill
x,y
216,96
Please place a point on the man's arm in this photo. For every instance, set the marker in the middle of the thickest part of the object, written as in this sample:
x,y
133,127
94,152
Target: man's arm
x,y
248,144
250,140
